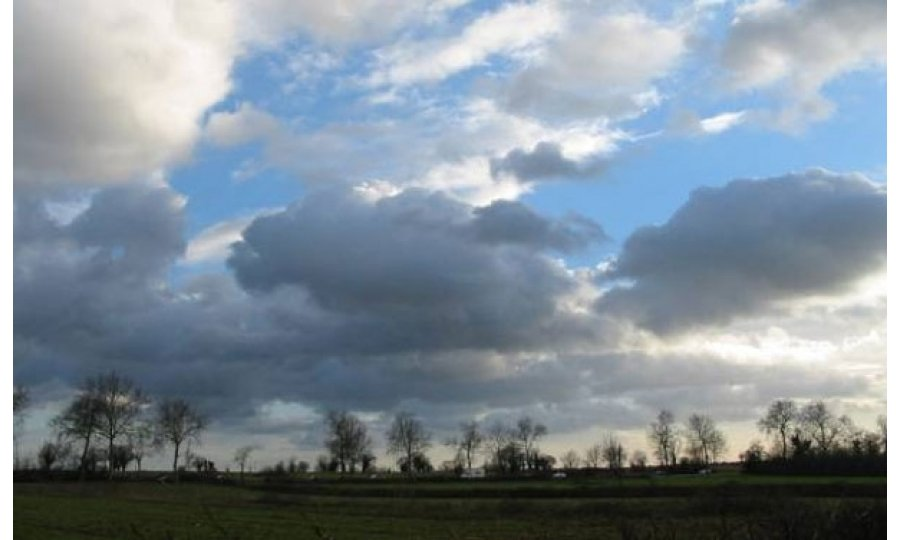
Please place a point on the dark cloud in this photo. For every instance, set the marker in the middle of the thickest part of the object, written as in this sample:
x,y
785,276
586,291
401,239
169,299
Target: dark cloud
x,y
544,162
419,270
736,249
343,293
414,300
514,223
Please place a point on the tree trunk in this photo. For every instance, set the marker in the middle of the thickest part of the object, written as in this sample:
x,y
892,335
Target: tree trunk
x,y
109,457
175,462
83,469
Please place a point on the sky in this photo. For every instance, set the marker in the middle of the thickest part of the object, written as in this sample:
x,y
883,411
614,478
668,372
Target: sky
x,y
579,211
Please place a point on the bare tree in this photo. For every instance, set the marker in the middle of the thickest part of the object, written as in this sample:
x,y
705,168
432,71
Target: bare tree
x,y
705,441
347,439
80,421
50,454
20,403
121,402
613,452
469,442
242,455
178,422
496,438
782,418
570,460
593,456
638,459
142,441
882,430
664,438
820,425
408,439
527,434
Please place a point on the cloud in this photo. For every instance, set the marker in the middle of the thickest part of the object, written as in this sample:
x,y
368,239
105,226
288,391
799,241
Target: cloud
x,y
509,30
419,270
544,162
107,92
737,249
214,242
797,48
241,126
604,65
689,123
342,23
407,299
344,292
436,148
74,283
507,222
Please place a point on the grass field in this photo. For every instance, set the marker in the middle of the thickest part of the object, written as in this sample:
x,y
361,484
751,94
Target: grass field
x,y
739,507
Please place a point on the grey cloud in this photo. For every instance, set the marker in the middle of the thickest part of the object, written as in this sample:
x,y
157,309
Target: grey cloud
x,y
515,223
481,335
417,270
92,295
544,162
141,225
736,249
799,47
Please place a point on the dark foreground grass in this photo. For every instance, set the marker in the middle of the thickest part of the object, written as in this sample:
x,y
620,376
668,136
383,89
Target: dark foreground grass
x,y
152,511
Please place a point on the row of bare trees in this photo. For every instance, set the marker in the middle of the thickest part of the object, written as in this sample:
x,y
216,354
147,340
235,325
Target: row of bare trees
x,y
349,445
111,419
813,429
609,453
703,442
514,448
507,448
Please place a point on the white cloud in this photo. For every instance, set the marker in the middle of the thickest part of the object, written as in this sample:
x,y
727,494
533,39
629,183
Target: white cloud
x,y
339,22
722,122
108,91
245,124
687,122
603,65
510,29
437,148
795,49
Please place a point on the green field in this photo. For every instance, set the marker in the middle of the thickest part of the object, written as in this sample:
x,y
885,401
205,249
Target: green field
x,y
726,506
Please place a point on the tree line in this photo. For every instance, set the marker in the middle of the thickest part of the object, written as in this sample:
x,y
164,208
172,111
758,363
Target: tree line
x,y
813,439
112,421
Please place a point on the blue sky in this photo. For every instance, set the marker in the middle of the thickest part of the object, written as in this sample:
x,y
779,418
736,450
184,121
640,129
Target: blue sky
x,y
454,205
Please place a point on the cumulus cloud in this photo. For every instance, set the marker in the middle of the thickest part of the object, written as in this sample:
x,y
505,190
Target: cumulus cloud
x,y
604,65
419,270
737,249
545,162
406,299
507,222
106,92
797,48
